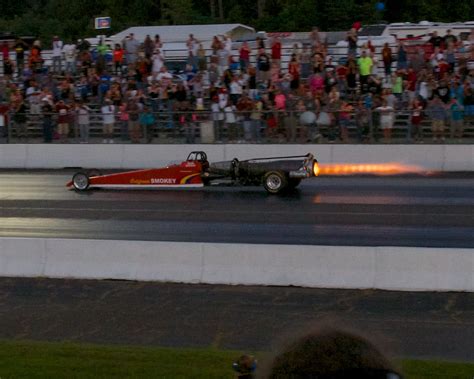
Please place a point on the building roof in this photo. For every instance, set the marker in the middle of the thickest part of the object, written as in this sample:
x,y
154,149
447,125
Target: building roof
x,y
180,33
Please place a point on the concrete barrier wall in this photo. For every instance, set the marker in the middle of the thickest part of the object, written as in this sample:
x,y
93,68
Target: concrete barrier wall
x,y
431,157
391,268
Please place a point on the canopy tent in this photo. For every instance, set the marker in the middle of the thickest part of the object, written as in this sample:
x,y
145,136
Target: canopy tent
x,y
180,33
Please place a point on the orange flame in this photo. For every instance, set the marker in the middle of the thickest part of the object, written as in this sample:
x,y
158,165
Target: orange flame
x,y
368,168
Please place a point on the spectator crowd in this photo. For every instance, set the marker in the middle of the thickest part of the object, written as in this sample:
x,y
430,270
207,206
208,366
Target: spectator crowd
x,y
245,92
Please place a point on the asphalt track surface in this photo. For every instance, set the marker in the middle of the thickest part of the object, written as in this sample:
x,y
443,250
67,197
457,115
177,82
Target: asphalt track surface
x,y
416,325
353,211
403,211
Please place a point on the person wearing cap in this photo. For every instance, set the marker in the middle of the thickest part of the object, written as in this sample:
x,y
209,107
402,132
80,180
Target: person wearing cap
x,y
57,54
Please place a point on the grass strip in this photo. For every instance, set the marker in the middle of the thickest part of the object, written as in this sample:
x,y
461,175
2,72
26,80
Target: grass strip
x,y
26,359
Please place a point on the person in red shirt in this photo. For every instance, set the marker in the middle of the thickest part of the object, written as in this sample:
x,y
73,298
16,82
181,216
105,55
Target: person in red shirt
x,y
118,59
63,120
411,79
276,51
244,55
5,50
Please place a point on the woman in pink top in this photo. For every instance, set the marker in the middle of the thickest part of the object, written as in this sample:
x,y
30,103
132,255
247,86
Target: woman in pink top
x,y
316,84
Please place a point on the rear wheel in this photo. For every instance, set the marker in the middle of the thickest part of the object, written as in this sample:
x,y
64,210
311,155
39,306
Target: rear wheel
x,y
80,181
275,182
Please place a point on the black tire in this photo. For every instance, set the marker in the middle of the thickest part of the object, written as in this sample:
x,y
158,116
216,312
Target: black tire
x,y
293,183
80,181
275,182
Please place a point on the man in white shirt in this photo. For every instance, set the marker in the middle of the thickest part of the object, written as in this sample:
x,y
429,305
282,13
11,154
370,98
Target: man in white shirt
x,y
69,51
192,44
108,117
158,61
57,54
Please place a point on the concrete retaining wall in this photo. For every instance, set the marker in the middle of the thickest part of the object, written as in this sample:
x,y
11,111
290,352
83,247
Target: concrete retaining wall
x,y
391,268
431,157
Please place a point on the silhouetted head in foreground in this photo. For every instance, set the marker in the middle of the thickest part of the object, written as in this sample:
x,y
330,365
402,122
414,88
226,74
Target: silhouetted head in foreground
x,y
331,354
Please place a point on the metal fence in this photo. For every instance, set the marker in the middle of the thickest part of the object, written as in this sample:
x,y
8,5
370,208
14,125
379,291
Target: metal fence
x,y
360,126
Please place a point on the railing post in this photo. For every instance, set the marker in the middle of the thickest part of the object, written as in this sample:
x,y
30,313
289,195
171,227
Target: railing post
x,y
371,126
9,126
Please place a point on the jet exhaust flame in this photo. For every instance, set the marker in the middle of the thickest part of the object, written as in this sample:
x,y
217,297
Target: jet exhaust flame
x,y
368,168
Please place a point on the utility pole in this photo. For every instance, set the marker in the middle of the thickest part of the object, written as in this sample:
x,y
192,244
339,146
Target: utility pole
x,y
213,8
221,11
260,8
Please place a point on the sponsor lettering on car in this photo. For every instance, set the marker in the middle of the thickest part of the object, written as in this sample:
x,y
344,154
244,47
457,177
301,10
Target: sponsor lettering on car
x,y
163,181
139,181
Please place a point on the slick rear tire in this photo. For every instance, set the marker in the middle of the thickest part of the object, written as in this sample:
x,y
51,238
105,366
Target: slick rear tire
x,y
80,181
275,182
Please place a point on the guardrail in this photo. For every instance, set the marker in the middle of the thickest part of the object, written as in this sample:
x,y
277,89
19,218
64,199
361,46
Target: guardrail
x,y
363,126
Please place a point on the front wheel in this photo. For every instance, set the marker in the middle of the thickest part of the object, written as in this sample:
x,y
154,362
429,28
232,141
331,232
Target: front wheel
x,y
275,182
80,181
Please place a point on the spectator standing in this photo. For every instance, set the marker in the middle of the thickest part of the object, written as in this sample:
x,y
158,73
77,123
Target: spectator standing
x,y
263,66
108,120
223,60
5,50
192,45
437,112
230,122
8,67
158,44
158,62
148,46
449,39
387,60
36,60
20,120
294,71
131,46
305,61
20,48
387,118
402,60
133,111
228,44
70,54
63,120
416,119
352,43
201,58
435,40
83,120
217,118
57,55
147,121
123,118
244,55
276,52
365,69
118,59
456,111
47,113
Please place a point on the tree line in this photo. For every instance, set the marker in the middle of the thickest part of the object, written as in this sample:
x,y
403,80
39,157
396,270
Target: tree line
x,y
74,19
